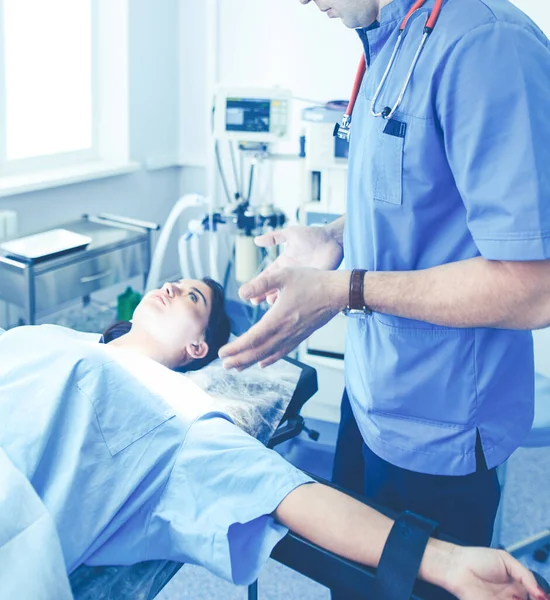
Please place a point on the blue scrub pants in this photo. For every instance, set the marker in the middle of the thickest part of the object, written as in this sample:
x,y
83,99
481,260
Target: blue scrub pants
x,y
464,506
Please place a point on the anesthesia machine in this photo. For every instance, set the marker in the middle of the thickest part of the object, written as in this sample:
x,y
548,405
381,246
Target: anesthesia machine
x,y
247,126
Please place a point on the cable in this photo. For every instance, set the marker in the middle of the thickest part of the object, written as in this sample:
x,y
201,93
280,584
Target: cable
x,y
228,269
196,257
238,183
258,312
218,158
251,180
222,174
187,271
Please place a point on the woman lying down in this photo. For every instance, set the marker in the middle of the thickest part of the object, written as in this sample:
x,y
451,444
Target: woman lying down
x,y
133,464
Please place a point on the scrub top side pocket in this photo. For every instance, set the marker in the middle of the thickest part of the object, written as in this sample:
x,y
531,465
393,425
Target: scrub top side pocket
x,y
387,162
125,410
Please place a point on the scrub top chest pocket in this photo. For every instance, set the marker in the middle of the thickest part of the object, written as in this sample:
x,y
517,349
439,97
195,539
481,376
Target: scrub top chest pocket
x,y
384,160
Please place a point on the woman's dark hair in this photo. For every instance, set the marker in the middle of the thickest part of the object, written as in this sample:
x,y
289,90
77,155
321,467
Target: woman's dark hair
x,y
216,334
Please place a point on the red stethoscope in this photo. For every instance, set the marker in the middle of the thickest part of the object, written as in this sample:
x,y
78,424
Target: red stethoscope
x,y
343,129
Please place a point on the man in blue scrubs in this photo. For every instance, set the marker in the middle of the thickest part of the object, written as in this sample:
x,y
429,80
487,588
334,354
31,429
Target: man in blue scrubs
x,y
449,215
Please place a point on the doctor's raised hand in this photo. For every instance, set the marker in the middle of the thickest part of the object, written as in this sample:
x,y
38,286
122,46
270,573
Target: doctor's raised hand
x,y
301,285
317,247
306,299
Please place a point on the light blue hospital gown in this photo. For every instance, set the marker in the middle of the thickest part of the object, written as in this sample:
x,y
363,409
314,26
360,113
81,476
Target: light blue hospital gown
x,y
31,562
131,461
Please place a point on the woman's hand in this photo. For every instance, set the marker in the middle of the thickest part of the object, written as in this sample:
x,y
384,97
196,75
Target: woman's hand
x,y
484,574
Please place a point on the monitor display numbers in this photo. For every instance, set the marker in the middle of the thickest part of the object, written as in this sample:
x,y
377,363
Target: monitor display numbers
x,y
251,115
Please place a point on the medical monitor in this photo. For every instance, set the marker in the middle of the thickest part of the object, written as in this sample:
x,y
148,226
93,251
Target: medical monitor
x,y
252,114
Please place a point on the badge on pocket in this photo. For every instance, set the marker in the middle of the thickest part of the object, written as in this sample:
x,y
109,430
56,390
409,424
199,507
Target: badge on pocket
x,y
388,163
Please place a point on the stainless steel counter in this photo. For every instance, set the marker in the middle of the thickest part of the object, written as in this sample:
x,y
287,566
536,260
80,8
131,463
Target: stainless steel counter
x,y
120,249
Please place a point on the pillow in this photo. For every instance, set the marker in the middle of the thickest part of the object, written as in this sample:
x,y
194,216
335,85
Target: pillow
x,y
256,399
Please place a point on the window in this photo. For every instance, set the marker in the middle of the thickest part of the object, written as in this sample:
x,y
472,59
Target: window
x,y
48,92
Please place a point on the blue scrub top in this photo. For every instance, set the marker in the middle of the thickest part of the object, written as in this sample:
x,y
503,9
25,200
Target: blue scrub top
x,y
131,461
460,171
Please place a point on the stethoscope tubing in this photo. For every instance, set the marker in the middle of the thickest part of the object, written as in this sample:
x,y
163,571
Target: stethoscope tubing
x,y
388,112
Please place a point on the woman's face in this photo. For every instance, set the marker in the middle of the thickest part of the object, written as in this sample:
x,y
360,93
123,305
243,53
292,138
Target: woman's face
x,y
175,315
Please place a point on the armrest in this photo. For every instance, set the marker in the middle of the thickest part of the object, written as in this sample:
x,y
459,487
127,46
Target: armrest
x,y
292,424
325,568
336,572
306,388
333,571
286,431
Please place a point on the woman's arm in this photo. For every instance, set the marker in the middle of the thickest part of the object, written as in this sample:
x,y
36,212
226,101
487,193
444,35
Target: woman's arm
x,y
357,532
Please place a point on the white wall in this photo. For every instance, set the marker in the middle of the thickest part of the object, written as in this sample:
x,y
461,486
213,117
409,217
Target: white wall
x,y
154,64
260,43
194,33
287,44
154,81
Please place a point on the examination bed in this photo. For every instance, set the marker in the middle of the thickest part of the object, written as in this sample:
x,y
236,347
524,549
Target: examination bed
x,y
396,574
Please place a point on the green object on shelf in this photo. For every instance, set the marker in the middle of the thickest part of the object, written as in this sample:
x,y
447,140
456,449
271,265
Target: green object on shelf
x,y
126,304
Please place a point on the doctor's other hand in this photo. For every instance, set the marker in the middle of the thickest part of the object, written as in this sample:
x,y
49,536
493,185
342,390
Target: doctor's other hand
x,y
316,247
307,299
485,574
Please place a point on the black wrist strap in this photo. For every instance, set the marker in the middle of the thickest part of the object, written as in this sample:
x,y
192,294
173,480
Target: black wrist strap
x,y
400,561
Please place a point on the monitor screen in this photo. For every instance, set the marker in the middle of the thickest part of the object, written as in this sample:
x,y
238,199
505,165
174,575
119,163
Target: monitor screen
x,y
248,114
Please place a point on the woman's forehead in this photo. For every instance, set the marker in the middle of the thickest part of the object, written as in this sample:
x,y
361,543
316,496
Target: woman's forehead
x,y
198,283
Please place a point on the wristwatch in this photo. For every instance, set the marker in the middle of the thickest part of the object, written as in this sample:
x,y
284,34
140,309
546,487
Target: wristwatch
x,y
356,304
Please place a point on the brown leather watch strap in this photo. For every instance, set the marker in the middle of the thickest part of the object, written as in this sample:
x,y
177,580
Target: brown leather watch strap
x,y
356,292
